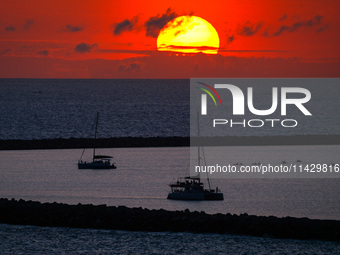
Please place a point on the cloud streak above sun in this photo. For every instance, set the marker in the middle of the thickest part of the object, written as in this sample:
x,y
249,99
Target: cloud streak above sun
x,y
152,25
316,21
249,29
124,26
268,30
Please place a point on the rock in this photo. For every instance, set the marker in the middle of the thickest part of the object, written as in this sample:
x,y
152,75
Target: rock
x,y
139,219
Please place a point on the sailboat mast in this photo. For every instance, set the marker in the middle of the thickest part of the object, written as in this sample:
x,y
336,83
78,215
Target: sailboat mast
x,y
95,137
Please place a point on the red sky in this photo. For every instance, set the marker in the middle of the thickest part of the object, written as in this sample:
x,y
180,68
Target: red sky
x,y
117,39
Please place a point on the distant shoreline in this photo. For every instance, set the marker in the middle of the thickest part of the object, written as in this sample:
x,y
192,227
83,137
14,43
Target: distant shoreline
x,y
138,219
124,142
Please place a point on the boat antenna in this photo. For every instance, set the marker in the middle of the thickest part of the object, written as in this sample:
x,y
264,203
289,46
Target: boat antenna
x,y
205,163
95,137
198,146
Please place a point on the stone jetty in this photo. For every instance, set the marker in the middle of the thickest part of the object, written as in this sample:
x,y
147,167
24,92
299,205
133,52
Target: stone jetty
x,y
139,219
123,142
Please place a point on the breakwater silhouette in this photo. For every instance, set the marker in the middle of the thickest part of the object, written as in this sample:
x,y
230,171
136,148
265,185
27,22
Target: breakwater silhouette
x,y
139,219
121,142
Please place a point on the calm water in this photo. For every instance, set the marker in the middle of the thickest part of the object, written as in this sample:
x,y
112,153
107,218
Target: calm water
x,y
47,108
42,108
18,240
143,175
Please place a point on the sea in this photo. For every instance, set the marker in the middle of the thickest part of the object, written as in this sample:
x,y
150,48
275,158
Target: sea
x,y
49,109
64,108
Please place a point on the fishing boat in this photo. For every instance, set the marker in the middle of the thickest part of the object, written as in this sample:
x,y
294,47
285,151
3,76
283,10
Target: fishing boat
x,y
191,187
98,161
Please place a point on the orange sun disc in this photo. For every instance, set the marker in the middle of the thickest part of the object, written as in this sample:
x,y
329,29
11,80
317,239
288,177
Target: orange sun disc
x,y
188,34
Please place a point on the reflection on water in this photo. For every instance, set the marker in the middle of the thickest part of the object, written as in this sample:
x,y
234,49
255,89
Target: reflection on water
x,y
142,178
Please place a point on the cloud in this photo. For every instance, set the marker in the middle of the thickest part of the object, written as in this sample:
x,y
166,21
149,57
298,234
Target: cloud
x,y
230,39
4,52
43,52
10,28
324,27
139,52
126,25
133,67
85,47
154,24
315,21
284,17
28,24
163,66
174,47
243,51
71,28
249,29
178,47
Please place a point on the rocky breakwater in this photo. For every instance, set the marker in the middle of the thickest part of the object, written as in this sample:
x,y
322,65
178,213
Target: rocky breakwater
x,y
139,219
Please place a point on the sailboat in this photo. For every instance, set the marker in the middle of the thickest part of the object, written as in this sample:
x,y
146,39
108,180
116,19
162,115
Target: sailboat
x,y
191,187
98,161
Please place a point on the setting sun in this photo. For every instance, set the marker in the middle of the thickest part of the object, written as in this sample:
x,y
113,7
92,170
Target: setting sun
x,y
188,34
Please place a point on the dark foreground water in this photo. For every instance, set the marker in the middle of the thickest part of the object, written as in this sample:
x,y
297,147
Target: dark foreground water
x,y
47,240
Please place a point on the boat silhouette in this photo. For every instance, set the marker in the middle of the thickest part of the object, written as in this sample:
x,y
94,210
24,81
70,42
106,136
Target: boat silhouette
x,y
191,187
98,161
